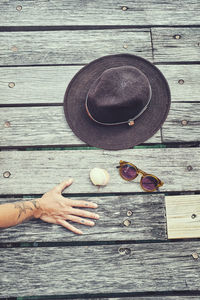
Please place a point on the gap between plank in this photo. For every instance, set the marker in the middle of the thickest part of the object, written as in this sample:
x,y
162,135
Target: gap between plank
x,y
90,27
93,243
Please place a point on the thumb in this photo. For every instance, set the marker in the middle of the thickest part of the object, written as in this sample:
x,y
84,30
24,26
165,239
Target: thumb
x,y
60,187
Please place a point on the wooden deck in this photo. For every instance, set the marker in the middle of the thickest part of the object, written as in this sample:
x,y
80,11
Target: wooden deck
x,y
126,255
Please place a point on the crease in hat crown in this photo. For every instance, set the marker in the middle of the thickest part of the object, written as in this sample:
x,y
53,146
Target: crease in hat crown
x,y
119,95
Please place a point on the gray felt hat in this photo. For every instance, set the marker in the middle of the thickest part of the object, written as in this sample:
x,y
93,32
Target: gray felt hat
x,y
117,101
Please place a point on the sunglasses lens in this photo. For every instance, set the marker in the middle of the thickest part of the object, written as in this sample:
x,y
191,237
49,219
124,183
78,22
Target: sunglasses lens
x,y
128,172
149,183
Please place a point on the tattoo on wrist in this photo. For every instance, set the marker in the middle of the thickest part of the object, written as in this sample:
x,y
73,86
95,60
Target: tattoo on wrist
x,y
24,206
35,203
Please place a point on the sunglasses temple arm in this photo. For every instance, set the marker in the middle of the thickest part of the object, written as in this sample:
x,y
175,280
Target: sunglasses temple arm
x,y
120,163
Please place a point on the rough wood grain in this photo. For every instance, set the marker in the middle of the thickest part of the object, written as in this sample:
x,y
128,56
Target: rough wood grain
x,y
31,126
51,13
99,269
183,123
183,216
48,84
170,49
71,47
147,222
35,172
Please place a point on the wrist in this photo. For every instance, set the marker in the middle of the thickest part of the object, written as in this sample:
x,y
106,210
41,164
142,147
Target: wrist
x,y
37,208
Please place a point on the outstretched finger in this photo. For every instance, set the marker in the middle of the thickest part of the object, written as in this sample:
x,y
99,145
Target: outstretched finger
x,y
80,220
60,187
69,226
82,203
84,213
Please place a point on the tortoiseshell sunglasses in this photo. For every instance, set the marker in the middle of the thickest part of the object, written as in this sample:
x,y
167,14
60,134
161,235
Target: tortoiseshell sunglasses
x,y
148,182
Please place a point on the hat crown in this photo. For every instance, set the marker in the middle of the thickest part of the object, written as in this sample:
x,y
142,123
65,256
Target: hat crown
x,y
118,95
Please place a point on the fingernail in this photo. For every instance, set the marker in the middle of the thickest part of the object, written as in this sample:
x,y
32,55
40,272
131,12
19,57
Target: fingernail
x,y
70,180
79,232
95,205
97,216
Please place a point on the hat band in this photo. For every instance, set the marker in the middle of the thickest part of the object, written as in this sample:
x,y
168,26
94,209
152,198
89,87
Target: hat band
x,y
130,122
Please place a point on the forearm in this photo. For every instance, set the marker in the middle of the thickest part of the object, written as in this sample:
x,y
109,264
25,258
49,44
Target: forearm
x,y
15,213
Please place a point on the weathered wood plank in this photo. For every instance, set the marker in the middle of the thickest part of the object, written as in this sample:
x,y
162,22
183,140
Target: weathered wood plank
x,y
71,47
104,268
182,214
26,85
41,126
146,222
35,172
49,13
31,126
23,46
183,123
176,44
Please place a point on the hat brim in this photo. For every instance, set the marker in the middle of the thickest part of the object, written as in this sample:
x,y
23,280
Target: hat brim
x,y
122,136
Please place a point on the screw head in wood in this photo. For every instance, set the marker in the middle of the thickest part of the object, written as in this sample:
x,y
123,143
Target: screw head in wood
x,y
121,251
193,216
129,213
124,8
7,124
184,122
19,7
189,168
127,251
6,174
11,85
195,255
181,81
125,46
127,223
124,251
177,36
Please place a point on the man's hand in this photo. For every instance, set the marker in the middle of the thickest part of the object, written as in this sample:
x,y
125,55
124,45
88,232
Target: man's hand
x,y
54,208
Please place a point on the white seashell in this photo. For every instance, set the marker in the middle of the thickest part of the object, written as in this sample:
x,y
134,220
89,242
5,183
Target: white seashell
x,y
99,176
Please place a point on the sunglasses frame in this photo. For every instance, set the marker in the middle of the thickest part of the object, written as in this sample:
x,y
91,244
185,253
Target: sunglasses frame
x,y
139,171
